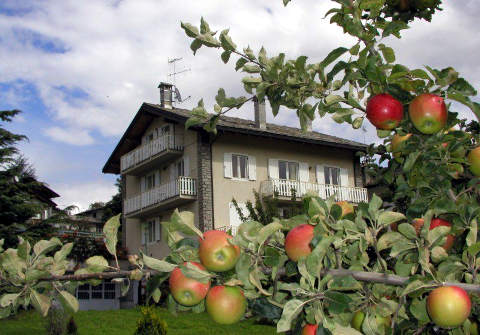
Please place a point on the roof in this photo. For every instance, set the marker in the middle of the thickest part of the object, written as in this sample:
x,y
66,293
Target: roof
x,y
147,112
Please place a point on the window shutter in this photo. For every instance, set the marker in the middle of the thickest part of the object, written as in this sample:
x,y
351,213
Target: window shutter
x,y
344,177
227,165
142,232
142,184
273,168
320,174
252,168
157,178
158,229
186,166
304,172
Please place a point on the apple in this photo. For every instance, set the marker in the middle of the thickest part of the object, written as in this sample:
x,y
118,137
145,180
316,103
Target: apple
x,y
474,328
384,111
398,143
347,208
418,224
216,252
226,304
297,242
359,317
428,113
309,329
187,291
448,306
474,160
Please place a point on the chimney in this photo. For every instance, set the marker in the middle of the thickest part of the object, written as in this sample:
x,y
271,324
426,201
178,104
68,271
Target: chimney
x,y
166,95
260,115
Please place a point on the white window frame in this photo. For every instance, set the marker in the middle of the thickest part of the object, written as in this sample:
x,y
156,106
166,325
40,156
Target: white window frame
x,y
153,177
237,168
339,181
287,172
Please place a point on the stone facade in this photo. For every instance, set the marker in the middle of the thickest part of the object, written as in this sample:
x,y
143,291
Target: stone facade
x,y
205,191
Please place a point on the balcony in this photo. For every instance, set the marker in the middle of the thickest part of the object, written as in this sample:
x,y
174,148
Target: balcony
x,y
285,189
146,156
232,230
165,196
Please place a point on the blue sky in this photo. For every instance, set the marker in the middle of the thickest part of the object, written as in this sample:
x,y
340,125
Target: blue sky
x,y
79,70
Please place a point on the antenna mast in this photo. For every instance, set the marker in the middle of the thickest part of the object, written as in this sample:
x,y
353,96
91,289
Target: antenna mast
x,y
174,73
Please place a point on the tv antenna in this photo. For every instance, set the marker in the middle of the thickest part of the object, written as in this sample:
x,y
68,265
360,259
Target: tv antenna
x,y
173,74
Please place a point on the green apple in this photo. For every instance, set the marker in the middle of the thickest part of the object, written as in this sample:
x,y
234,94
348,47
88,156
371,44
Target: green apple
x,y
474,160
216,252
428,113
187,291
226,304
398,142
448,306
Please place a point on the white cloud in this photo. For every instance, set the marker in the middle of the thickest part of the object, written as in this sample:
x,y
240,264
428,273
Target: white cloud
x,y
116,52
69,135
83,194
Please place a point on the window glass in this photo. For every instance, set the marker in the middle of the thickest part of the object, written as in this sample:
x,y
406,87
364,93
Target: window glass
x,y
288,170
332,175
150,182
109,290
240,166
83,292
97,292
180,168
150,231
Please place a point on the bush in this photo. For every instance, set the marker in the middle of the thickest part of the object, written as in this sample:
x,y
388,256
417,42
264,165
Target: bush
x,y
72,328
150,323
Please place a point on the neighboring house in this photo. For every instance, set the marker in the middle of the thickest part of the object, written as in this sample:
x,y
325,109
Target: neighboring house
x,y
44,195
164,166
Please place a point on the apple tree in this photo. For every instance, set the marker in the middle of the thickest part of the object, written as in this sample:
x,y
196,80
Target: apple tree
x,y
404,264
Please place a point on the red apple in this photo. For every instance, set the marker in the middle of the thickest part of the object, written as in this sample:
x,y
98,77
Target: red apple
x,y
474,160
428,113
448,306
384,111
297,242
216,252
397,145
418,224
347,208
309,329
226,304
187,291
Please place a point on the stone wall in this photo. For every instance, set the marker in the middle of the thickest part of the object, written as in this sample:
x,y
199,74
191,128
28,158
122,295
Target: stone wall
x,y
205,191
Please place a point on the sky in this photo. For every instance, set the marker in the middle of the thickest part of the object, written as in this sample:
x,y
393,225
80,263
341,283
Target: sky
x,y
79,70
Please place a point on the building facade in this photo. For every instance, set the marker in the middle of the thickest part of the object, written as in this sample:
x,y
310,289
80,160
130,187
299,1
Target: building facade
x,y
165,166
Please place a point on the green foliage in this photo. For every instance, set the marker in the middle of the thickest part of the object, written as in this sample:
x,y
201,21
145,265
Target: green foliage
x,y
150,323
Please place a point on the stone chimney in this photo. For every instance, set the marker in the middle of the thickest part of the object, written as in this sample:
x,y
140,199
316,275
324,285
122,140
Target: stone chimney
x,y
166,95
260,115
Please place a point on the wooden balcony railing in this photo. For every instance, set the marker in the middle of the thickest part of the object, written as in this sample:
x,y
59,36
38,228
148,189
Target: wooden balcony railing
x,y
149,150
287,188
177,187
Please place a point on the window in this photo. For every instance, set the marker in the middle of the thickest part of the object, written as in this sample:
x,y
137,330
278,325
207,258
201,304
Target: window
x,y
150,231
97,292
240,166
180,167
332,175
83,292
108,291
149,182
288,170
162,131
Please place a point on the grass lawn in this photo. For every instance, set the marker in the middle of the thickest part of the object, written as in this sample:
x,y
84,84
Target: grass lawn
x,y
122,322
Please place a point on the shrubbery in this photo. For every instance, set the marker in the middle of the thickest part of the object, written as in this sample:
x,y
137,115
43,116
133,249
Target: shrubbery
x,y
150,323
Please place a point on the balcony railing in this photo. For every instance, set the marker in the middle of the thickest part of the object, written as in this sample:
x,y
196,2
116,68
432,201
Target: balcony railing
x,y
149,150
180,186
229,229
287,188
78,233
